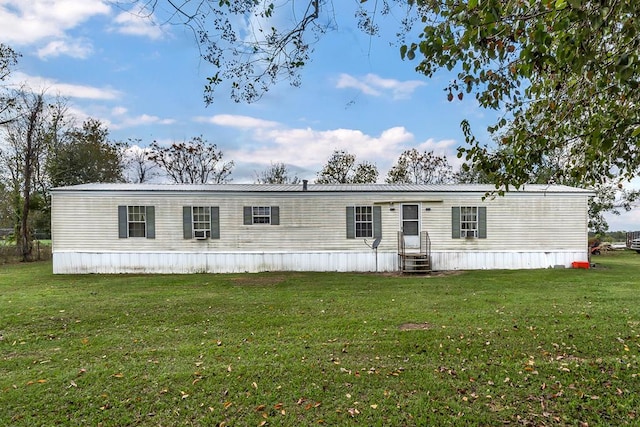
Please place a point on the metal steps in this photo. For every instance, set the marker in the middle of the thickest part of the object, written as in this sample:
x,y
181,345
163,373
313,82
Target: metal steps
x,y
412,261
415,263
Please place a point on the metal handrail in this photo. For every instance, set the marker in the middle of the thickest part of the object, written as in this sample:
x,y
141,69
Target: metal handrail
x,y
425,248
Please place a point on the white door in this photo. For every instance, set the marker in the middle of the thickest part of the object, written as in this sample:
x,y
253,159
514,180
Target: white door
x,y
411,225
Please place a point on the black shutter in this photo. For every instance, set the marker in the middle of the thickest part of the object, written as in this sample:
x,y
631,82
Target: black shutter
x,y
351,222
455,222
248,215
215,222
482,222
377,222
187,222
123,230
151,222
275,215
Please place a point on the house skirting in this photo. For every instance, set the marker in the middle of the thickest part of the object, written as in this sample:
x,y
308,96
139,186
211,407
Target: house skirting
x,y
87,262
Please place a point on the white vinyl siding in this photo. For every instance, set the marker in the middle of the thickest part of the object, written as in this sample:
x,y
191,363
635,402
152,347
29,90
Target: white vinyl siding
x,y
316,221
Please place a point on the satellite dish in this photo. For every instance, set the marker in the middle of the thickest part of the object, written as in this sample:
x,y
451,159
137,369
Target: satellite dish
x,y
376,242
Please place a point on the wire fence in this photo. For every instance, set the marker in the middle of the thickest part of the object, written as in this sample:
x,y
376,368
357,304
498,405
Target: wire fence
x,y
10,252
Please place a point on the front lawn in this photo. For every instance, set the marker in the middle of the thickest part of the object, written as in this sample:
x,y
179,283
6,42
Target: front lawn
x,y
543,347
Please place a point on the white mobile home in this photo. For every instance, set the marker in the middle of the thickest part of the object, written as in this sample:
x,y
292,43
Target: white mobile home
x,y
140,228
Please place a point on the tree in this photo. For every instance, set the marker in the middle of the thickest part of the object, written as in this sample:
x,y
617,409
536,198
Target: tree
x,y
414,167
341,168
6,211
85,155
138,167
277,173
8,60
610,195
193,162
25,145
611,198
565,73
468,174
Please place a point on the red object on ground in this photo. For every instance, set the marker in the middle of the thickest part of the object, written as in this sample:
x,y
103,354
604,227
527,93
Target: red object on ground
x,y
580,264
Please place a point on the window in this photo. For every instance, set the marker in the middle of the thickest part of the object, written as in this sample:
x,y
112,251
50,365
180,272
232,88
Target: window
x,y
136,221
469,222
261,215
364,221
201,222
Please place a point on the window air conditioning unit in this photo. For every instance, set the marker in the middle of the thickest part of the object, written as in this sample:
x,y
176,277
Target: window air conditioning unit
x,y
200,235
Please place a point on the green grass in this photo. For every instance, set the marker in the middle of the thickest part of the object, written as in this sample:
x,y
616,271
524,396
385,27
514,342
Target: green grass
x,y
543,347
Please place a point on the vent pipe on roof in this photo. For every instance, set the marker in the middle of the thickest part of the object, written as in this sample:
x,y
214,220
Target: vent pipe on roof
x,y
304,184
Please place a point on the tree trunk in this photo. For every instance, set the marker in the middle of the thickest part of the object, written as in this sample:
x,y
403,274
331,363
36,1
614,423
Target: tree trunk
x,y
30,151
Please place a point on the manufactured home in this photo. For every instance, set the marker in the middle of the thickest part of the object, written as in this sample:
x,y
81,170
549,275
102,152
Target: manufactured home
x,y
151,228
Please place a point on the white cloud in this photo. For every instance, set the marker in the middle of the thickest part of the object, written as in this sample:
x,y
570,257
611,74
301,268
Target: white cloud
x,y
53,87
140,120
80,48
135,24
626,221
25,22
346,81
119,111
308,149
79,116
374,85
236,121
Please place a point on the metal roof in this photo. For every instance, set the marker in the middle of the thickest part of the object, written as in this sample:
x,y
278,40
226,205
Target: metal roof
x,y
324,188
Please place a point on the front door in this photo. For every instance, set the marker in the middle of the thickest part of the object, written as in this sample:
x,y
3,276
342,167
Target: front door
x,y
411,225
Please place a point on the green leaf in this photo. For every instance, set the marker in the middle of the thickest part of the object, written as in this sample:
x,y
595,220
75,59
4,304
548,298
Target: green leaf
x,y
561,4
472,4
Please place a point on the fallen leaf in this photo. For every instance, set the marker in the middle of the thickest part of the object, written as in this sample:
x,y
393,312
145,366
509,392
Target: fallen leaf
x,y
227,404
353,411
118,375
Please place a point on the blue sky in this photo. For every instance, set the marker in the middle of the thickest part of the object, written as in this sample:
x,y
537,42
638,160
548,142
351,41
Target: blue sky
x,y
145,81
